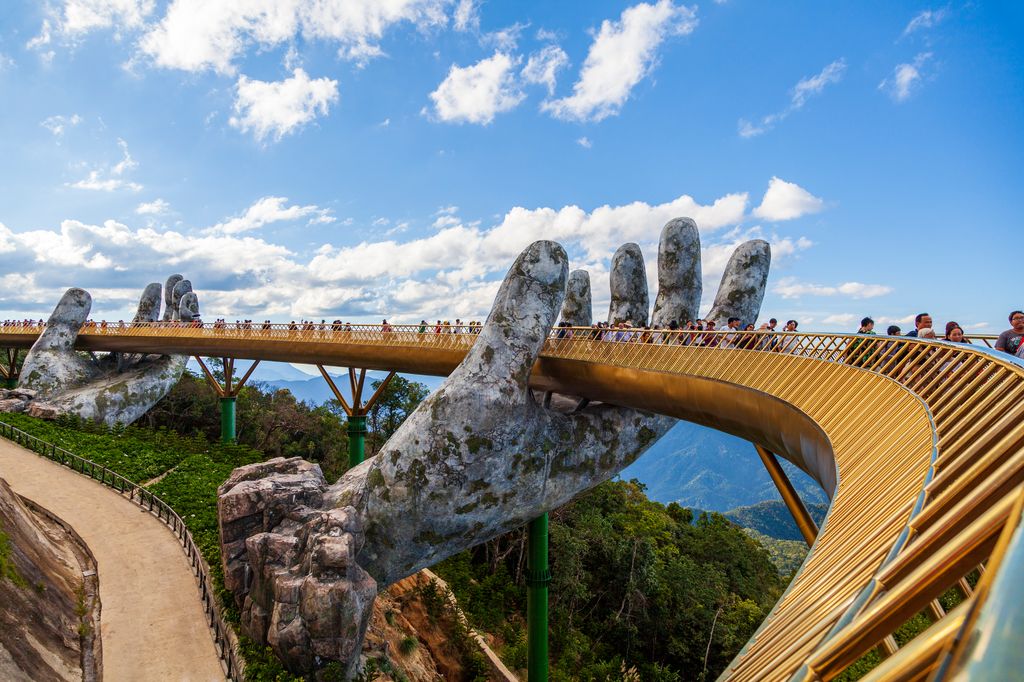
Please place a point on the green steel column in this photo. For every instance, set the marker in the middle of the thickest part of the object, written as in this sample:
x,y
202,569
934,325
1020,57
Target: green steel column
x,y
537,579
227,419
356,439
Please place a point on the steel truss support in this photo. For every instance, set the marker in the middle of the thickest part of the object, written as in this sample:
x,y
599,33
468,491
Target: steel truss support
x,y
227,392
796,507
10,370
357,410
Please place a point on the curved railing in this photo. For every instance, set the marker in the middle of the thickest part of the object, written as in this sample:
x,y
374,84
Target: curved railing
x,y
920,445
137,494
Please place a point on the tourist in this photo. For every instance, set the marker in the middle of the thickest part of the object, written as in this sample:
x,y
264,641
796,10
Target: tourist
x,y
893,330
1010,340
789,343
921,321
955,334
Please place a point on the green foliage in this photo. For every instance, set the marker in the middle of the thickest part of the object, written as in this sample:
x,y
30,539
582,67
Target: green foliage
x,y
635,584
772,518
408,645
787,555
270,421
8,571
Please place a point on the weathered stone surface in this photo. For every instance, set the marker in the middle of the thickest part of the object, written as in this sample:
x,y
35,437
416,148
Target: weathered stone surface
x,y
13,405
477,458
149,304
188,307
38,624
115,388
679,274
577,309
630,302
170,307
41,410
743,282
51,365
22,393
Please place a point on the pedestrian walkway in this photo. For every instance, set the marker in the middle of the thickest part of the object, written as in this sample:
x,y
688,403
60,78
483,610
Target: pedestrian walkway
x,y
152,623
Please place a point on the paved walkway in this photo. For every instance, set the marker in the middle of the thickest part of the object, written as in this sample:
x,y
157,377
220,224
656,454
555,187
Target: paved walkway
x,y
152,622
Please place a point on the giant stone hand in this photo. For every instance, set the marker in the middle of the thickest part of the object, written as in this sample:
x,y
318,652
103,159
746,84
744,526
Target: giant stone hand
x,y
479,457
115,387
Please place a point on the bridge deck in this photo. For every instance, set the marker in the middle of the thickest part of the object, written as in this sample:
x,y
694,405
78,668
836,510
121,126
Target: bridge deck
x,y
921,446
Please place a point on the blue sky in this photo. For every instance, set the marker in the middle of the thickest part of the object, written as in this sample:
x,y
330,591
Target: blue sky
x,y
370,158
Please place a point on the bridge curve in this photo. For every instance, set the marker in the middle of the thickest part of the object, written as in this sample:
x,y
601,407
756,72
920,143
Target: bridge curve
x,y
919,444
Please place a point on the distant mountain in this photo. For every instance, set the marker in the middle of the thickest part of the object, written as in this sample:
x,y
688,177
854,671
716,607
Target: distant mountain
x,y
773,519
703,468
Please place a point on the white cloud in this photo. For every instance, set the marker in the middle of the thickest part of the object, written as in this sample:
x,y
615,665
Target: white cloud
x,y
585,142
58,125
543,66
195,35
789,287
504,39
275,109
623,53
466,15
155,207
79,16
270,210
455,271
925,19
787,200
475,94
5,62
802,91
110,179
843,319
905,78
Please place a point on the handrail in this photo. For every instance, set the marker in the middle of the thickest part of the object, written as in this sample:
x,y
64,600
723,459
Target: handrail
x,y
148,501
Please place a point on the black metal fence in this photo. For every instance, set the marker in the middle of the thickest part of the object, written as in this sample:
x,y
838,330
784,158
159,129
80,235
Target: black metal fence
x,y
153,504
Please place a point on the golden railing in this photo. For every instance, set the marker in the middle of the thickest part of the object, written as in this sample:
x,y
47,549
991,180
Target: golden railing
x,y
920,445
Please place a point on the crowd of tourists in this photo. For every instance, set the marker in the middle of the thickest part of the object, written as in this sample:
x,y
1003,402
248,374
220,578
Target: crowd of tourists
x,y
690,333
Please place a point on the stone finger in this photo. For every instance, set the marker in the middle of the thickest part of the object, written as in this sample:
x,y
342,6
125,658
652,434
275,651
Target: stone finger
x,y
52,364
188,307
180,289
169,285
576,308
679,274
743,284
521,318
149,304
630,301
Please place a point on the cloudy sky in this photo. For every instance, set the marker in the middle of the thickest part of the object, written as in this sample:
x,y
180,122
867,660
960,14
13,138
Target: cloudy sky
x,y
370,158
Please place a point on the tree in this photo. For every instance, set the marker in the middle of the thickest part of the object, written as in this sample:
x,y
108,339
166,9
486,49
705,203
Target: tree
x,y
396,402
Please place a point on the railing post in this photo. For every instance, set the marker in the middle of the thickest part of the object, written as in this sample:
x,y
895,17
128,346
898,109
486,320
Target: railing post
x,y
537,579
356,439
227,419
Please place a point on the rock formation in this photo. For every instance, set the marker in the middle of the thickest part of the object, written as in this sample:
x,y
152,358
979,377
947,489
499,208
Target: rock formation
x,y
40,587
679,278
577,309
630,303
109,389
480,456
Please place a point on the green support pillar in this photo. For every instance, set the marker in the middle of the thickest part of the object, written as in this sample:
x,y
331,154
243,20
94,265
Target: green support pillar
x,y
227,419
356,439
537,579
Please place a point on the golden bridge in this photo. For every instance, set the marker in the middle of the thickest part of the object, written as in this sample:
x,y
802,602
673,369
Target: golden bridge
x,y
919,444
